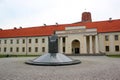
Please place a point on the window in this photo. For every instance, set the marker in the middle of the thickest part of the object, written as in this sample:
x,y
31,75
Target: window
x,y
11,41
23,49
117,48
43,49
63,49
23,41
64,39
36,40
36,49
17,49
43,40
107,48
30,40
106,38
29,49
17,41
116,37
5,49
11,49
5,41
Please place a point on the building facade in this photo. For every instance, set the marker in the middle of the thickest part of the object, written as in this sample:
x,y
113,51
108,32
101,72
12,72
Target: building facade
x,y
85,37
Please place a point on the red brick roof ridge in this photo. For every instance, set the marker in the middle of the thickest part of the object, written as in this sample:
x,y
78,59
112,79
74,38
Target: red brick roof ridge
x,y
102,26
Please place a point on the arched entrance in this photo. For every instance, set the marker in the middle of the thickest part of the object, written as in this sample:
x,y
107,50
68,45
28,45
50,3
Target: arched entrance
x,y
76,47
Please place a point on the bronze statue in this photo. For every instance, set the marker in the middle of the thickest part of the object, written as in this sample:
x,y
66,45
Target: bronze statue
x,y
52,58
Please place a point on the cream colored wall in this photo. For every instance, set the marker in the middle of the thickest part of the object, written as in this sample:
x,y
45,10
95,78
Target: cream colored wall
x,y
72,38
76,33
68,44
26,45
69,38
111,42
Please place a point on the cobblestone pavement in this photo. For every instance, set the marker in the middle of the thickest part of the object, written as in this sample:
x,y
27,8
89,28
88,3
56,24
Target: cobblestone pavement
x,y
91,68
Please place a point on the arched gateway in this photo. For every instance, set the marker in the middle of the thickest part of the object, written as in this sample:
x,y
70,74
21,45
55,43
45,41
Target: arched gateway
x,y
76,47
85,42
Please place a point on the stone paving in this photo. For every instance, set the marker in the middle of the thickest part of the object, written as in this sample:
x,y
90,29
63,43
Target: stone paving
x,y
91,68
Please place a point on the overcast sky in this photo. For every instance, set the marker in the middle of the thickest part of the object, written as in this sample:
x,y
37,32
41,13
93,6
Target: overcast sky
x,y
29,13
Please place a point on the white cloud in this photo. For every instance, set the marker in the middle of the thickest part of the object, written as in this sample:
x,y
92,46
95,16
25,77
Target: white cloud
x,y
36,12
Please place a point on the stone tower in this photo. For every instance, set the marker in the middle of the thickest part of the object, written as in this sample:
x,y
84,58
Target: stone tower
x,y
86,17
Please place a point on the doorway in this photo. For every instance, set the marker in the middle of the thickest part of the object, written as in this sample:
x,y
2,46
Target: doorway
x,y
76,47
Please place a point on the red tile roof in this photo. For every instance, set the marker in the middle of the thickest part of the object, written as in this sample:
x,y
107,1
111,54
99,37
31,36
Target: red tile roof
x,y
105,26
102,26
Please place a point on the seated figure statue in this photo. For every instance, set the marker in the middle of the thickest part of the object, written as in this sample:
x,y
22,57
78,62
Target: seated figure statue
x,y
53,44
52,58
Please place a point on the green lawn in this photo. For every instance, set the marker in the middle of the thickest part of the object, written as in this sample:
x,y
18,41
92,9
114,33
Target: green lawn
x,y
114,56
5,55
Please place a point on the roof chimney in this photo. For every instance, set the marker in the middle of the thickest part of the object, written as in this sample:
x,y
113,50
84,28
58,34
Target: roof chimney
x,y
15,28
45,25
110,19
56,24
20,27
86,17
1,29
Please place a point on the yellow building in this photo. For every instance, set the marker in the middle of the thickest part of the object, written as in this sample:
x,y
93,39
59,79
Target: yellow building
x,y
84,37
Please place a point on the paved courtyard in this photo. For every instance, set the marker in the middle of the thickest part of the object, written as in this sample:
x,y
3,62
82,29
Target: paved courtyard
x,y
91,68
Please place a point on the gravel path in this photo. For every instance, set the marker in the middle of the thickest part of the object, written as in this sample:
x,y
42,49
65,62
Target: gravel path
x,y
91,68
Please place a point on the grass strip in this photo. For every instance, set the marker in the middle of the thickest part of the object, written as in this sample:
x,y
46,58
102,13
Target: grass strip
x,y
9,55
114,56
